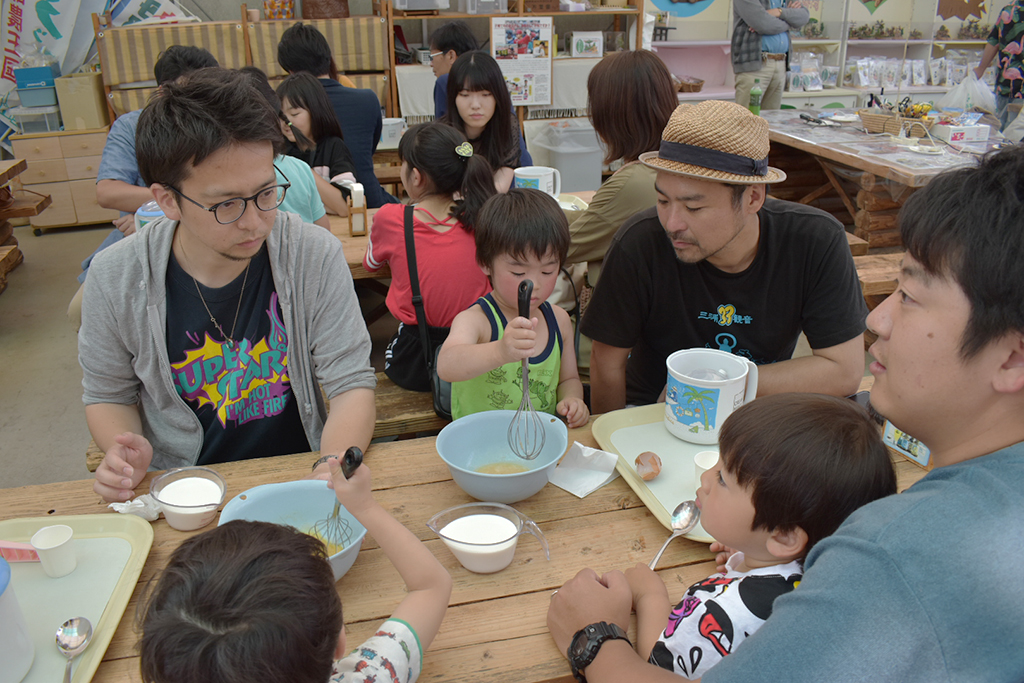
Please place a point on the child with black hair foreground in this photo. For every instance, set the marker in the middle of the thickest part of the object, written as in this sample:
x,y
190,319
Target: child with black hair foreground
x,y
520,235
792,467
252,601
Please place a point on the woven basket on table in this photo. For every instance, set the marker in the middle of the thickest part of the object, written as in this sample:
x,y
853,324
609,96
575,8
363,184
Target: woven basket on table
x,y
892,124
689,83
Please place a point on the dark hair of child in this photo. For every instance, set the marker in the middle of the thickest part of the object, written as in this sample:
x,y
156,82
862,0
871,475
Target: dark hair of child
x,y
430,149
810,461
259,80
304,48
522,222
475,71
304,91
244,602
453,36
178,60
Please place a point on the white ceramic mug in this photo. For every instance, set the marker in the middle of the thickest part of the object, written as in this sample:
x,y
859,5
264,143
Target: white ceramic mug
x,y
704,387
543,178
17,650
55,549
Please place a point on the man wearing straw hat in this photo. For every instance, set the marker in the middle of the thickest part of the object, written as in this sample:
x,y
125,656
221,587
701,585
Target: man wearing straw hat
x,y
718,264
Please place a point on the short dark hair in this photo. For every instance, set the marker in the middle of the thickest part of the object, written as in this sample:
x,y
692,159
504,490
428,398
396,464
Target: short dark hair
x,y
243,602
454,35
475,71
809,459
521,222
631,98
430,148
967,225
188,120
304,91
303,48
178,60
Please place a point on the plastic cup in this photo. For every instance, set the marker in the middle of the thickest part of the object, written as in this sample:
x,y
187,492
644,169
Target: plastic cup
x,y
55,549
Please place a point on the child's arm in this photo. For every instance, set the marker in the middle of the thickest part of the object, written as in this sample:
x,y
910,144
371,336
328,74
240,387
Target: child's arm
x,y
570,388
468,353
429,584
331,197
651,604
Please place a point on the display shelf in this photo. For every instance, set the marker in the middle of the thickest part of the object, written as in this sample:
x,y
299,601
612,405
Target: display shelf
x,y
961,43
689,43
811,42
714,92
851,42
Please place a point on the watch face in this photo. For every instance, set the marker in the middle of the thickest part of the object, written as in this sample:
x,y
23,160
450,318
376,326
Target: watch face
x,y
579,644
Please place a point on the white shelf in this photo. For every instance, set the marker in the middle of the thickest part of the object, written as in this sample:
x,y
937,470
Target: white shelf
x,y
690,43
827,92
712,92
970,43
907,89
885,41
815,41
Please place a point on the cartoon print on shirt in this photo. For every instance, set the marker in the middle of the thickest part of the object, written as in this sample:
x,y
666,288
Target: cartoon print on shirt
x,y
716,626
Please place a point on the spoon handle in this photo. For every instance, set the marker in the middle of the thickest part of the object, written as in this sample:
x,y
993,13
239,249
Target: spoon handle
x,y
654,562
67,671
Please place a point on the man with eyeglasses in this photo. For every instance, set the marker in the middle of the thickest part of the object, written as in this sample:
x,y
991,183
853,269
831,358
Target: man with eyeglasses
x,y
206,337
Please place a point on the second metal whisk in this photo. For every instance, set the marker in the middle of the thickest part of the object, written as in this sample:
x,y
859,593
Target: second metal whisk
x,y
526,432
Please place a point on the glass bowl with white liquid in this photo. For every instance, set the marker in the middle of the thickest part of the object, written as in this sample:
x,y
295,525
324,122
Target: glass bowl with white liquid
x,y
483,536
188,496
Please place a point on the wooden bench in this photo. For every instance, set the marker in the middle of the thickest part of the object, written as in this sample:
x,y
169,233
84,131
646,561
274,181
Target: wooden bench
x,y
399,412
878,275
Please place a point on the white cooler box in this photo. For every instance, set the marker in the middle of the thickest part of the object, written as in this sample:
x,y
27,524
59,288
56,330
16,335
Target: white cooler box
x,y
571,146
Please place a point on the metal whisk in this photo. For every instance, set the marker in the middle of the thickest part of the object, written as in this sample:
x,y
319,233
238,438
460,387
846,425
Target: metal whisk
x,y
335,530
526,432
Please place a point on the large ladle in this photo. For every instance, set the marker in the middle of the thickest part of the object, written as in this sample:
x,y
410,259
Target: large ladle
x,y
684,518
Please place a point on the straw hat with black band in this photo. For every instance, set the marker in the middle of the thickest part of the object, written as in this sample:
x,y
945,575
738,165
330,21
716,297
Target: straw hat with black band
x,y
718,141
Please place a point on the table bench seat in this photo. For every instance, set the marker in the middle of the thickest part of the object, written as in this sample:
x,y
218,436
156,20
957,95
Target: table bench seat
x,y
399,413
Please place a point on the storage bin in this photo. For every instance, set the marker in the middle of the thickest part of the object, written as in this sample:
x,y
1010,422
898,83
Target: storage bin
x,y
483,6
420,5
574,149
36,119
38,97
36,76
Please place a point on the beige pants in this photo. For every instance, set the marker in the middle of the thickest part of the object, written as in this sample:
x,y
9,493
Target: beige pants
x,y
773,82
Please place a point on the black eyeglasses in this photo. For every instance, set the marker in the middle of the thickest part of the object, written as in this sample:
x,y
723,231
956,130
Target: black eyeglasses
x,y
230,210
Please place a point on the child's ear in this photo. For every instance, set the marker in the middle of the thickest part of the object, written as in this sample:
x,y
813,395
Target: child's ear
x,y
339,651
789,544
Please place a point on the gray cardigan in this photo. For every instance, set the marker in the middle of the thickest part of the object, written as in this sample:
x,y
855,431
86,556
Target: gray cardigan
x,y
122,345
753,14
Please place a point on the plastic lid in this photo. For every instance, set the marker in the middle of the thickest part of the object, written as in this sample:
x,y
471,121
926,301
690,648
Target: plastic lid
x,y
5,575
757,80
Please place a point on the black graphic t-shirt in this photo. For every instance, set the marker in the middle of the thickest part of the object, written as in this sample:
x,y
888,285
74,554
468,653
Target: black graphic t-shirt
x,y
241,395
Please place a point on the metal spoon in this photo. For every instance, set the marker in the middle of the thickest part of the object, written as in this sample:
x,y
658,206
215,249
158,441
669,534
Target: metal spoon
x,y
73,637
684,518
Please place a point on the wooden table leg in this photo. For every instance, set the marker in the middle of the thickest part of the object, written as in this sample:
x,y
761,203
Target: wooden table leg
x,y
837,185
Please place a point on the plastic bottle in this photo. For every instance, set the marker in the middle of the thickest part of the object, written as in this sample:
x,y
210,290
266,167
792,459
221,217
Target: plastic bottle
x,y
755,97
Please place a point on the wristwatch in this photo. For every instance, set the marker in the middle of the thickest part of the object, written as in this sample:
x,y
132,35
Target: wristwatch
x,y
587,642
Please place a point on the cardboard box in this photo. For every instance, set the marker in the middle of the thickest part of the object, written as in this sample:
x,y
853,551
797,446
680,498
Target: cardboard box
x,y
960,133
82,104
586,44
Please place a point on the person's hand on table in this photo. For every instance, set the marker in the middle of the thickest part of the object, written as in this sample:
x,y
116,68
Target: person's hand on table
x,y
574,410
722,555
123,467
586,599
645,584
126,224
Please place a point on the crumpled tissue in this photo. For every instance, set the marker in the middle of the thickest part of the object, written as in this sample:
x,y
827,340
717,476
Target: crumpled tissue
x,y
584,470
144,506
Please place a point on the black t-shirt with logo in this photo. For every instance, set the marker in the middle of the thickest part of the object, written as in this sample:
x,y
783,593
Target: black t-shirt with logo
x,y
802,279
241,394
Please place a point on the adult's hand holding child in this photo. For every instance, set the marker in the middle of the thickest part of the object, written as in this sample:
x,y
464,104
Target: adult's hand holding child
x,y
123,467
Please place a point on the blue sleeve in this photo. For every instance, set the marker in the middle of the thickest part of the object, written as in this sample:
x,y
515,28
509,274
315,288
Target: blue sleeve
x,y
440,96
118,161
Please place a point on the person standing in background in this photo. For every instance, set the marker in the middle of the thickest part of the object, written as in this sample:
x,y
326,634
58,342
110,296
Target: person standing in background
x,y
1006,41
761,46
446,45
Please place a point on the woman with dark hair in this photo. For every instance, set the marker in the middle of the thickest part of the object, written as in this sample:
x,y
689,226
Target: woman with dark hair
x,y
642,80
438,164
480,107
307,109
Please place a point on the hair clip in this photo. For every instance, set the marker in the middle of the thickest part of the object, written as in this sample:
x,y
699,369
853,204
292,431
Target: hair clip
x,y
464,150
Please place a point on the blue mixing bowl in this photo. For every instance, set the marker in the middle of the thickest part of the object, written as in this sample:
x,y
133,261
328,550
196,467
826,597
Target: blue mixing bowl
x,y
481,439
299,504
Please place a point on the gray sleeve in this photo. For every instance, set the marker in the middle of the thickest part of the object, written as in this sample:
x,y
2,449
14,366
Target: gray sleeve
x,y
795,16
757,18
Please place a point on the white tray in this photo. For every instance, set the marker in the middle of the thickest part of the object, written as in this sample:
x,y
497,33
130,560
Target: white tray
x,y
111,550
630,432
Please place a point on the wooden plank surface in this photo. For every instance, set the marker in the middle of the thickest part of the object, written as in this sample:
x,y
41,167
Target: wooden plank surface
x,y
878,273
26,205
11,168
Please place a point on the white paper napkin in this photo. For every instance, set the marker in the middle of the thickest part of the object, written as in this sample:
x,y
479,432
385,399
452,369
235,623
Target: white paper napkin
x,y
584,470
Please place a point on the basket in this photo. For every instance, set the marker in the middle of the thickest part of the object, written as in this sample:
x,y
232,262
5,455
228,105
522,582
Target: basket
x,y
689,83
892,124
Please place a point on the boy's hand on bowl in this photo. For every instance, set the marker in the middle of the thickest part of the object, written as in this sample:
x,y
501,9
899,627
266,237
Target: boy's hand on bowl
x,y
355,493
574,410
519,338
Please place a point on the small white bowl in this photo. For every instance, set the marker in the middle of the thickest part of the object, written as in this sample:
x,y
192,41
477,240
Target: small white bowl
x,y
196,515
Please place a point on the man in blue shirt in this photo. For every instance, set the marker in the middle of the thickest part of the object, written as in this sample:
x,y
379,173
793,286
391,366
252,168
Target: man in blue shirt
x,y
303,48
924,585
760,46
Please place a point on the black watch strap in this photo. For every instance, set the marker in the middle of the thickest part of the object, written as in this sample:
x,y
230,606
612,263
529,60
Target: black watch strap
x,y
587,643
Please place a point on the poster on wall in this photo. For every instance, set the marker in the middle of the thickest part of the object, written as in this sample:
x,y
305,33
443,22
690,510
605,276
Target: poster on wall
x,y
522,48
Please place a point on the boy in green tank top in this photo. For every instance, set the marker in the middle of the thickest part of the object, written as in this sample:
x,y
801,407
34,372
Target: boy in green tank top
x,y
520,235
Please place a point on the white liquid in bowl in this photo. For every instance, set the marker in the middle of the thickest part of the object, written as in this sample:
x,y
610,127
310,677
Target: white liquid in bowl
x,y
482,543
197,497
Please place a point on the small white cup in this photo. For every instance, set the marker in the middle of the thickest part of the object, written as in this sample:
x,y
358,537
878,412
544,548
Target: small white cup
x,y
541,178
55,549
702,462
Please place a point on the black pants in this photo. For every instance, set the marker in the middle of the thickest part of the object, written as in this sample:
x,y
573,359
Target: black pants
x,y
404,362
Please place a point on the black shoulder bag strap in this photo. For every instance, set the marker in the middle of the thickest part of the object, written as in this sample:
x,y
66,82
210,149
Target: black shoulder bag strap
x,y
414,282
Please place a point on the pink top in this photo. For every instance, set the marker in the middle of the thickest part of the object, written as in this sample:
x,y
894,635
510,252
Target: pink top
x,y
450,279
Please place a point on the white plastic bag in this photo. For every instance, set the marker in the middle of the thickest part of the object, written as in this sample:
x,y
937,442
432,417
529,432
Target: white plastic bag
x,y
969,94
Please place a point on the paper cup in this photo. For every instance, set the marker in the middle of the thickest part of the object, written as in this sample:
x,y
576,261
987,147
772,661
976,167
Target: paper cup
x,y
541,178
704,387
55,549
702,462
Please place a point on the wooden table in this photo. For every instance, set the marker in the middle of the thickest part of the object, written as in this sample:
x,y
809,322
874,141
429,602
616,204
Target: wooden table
x,y
495,626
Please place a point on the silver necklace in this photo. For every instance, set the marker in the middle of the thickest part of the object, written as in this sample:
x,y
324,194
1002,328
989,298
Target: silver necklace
x,y
230,339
